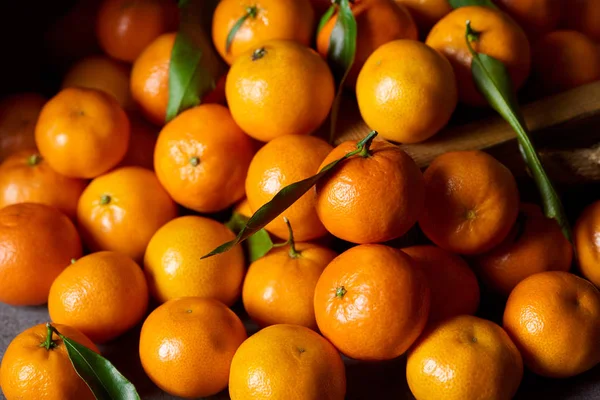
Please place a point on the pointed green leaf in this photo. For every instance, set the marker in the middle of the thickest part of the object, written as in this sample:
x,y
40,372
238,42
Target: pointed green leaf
x,y
466,3
493,81
285,198
257,245
103,379
194,64
251,12
326,17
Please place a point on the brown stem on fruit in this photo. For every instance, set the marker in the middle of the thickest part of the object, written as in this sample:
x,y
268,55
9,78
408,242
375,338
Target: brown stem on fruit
x,y
34,160
105,199
293,252
195,161
340,292
258,53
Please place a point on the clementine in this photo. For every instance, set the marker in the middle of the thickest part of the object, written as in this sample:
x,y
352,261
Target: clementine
x,y
267,20
36,366
535,16
557,62
544,313
174,267
453,285
426,13
25,177
202,157
279,88
372,302
583,16
126,27
378,22
187,344
535,244
372,197
37,243
498,36
121,211
471,202
279,163
102,294
82,133
464,357
406,91
101,73
287,362
18,117
142,142
586,236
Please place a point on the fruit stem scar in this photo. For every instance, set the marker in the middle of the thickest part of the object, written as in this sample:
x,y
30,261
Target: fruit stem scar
x,y
73,261
258,53
471,214
34,160
105,199
195,161
250,12
472,35
48,344
340,292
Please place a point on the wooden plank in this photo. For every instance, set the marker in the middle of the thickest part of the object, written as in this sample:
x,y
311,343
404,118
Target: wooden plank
x,y
573,105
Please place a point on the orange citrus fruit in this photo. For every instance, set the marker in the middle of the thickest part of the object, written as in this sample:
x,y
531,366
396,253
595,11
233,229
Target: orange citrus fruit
x,y
279,88
174,267
101,73
126,27
453,285
287,362
406,91
372,198
121,211
554,319
279,163
471,202
378,22
499,36
372,302
585,236
279,287
38,243
202,157
30,370
18,117
267,20
583,16
557,62
187,344
535,16
102,294
25,177
142,142
535,244
464,357
426,12
82,133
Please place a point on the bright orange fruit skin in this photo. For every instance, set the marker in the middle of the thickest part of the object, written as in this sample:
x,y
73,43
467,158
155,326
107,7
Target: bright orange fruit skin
x,y
471,202
26,178
29,371
278,88
18,117
500,38
287,362
279,287
586,236
82,133
544,313
279,163
372,302
121,211
535,244
32,236
202,157
126,27
275,19
464,357
453,285
187,344
372,199
102,294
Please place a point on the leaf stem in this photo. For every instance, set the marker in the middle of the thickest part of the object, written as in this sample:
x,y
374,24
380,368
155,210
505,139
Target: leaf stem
x,y
293,252
251,12
49,344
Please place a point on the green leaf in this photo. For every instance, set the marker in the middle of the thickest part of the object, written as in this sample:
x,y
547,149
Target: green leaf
x,y
326,17
103,379
466,3
257,245
194,64
493,81
251,12
287,196
341,53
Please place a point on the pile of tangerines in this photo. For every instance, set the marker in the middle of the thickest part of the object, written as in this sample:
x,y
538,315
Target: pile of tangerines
x,y
107,209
